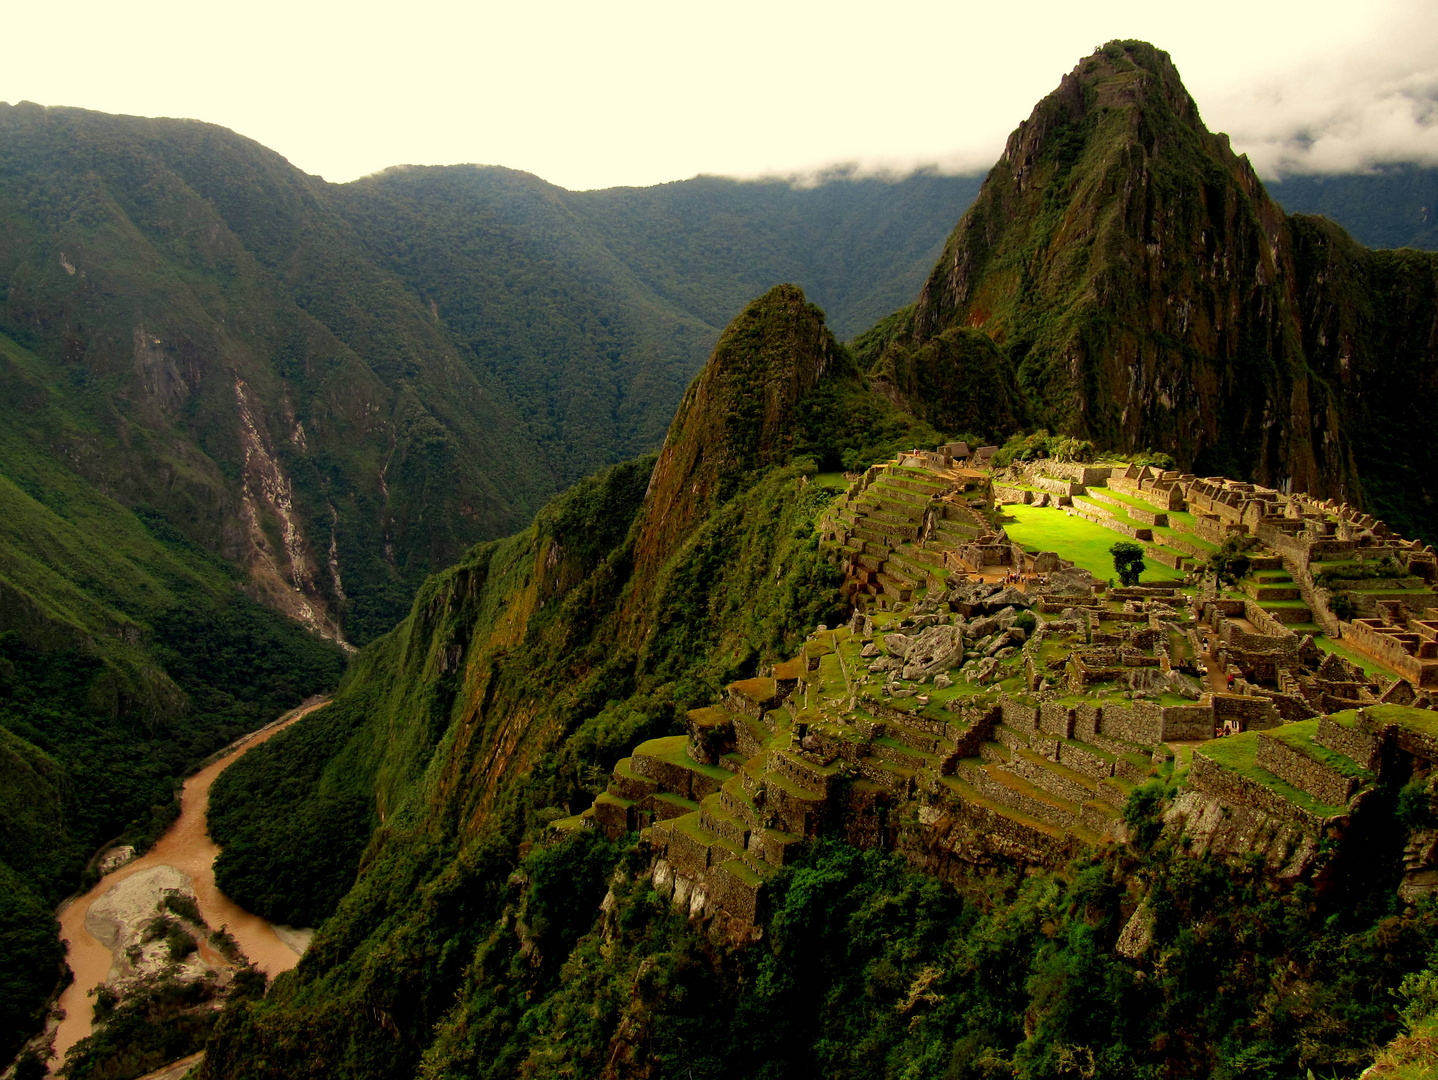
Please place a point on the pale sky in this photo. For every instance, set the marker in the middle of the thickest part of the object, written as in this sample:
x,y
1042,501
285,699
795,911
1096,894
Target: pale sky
x,y
593,95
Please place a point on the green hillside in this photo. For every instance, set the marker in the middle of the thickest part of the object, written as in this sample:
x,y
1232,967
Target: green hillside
x,y
1392,206
128,653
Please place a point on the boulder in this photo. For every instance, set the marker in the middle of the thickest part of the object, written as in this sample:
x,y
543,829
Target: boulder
x,y
869,651
981,628
942,681
935,650
896,644
1008,597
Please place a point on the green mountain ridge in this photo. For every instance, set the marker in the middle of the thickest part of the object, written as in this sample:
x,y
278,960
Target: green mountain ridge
x,y
470,945
337,390
1146,292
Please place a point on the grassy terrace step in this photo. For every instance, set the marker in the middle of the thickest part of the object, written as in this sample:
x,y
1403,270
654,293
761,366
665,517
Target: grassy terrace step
x,y
1071,775
1004,787
895,575
870,536
1115,790
888,774
968,793
1135,501
1010,737
996,753
888,484
1299,736
908,563
722,850
668,806
1239,753
878,514
674,750
1112,512
797,791
1098,751
955,533
899,753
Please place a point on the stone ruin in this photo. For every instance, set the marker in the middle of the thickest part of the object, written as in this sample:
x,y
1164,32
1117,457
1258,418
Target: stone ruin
x,y
991,704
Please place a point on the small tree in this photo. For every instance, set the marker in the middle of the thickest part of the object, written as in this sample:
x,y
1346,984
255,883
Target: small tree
x,y
1229,562
1127,561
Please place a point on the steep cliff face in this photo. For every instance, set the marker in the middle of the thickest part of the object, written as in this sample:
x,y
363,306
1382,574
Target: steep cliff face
x,y
736,417
1148,293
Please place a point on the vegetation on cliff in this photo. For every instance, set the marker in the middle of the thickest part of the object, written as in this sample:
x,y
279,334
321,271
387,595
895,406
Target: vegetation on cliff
x,y
1145,292
127,655
540,659
473,942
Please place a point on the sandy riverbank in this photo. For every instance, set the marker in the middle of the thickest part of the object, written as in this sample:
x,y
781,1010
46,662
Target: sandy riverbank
x,y
185,848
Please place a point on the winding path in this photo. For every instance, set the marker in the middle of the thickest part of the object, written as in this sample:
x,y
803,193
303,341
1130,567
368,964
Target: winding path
x,y
186,846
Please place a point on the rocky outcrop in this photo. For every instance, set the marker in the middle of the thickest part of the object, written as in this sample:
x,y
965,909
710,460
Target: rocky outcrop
x,y
1150,294
736,417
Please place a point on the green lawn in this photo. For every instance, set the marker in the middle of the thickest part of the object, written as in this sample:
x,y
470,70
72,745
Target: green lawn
x,y
1047,528
1369,667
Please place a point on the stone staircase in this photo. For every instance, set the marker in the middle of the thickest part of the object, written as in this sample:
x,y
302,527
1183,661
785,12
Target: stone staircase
x,y
891,528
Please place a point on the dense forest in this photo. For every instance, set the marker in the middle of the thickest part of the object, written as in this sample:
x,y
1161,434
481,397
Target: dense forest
x,y
128,653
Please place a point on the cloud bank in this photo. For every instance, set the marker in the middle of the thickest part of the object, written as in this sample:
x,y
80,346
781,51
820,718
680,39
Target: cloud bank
x,y
1375,103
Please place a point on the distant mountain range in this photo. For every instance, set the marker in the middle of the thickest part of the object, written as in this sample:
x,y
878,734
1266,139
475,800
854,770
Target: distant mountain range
x,y
1391,207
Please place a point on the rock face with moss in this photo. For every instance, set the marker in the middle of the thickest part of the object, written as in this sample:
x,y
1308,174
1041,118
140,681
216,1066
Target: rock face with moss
x,y
738,415
1145,291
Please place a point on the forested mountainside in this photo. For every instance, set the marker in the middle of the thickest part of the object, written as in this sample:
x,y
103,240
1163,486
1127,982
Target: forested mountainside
x,y
475,941
1142,289
467,940
325,384
1390,207
234,382
233,393
128,653
594,309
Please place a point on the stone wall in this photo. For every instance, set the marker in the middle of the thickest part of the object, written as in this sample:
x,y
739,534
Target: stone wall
x,y
1057,720
1186,723
1211,778
1139,722
1382,648
1327,785
1018,715
1083,761
1250,713
1266,623
1079,474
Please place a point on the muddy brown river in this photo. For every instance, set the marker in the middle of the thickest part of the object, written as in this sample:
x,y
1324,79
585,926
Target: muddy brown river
x,y
187,847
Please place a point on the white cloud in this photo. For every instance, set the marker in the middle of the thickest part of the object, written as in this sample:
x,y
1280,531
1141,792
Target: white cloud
x,y
1344,109
644,91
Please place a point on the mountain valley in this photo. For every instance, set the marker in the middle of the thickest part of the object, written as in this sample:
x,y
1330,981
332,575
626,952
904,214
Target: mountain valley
x,y
763,715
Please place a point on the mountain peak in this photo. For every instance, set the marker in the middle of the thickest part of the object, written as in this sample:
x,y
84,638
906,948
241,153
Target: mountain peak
x,y
737,416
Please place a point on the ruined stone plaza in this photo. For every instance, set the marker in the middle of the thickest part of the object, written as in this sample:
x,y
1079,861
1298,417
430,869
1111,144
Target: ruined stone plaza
x,y
995,698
